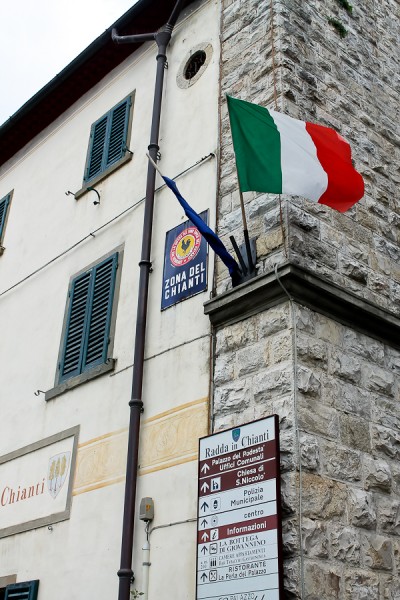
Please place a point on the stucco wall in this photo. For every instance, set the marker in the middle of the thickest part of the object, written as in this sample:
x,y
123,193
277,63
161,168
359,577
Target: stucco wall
x,y
44,224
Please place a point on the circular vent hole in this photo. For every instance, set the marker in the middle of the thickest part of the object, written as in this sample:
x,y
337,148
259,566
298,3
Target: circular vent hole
x,y
195,62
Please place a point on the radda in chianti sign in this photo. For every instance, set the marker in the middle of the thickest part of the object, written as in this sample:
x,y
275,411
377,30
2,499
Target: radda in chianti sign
x,y
185,263
239,547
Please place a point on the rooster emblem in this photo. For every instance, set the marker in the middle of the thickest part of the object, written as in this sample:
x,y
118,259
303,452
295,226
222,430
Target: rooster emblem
x,y
185,245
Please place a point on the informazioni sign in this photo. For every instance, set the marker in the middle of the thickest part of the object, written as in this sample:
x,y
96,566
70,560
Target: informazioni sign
x,y
239,547
36,483
185,263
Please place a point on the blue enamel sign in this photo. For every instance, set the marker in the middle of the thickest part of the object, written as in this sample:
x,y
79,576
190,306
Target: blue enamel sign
x,y
185,263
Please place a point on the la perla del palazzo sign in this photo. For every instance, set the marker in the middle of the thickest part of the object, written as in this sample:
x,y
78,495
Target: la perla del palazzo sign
x,y
239,549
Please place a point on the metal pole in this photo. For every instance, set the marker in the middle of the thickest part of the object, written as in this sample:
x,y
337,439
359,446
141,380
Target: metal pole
x,y
125,573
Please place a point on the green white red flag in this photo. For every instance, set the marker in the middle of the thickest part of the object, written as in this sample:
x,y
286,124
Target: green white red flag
x,y
278,154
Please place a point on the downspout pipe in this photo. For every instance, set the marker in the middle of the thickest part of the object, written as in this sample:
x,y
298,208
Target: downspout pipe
x,y
162,39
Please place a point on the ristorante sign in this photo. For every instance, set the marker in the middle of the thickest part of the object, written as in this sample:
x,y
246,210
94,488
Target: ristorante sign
x,y
36,483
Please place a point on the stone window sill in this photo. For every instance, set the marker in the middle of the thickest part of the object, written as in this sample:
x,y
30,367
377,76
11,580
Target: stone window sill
x,y
70,384
103,175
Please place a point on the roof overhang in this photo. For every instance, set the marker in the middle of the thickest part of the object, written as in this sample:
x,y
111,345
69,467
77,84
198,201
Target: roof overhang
x,y
85,71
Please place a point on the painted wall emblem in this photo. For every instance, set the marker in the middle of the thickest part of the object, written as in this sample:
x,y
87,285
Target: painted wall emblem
x,y
185,247
236,434
57,472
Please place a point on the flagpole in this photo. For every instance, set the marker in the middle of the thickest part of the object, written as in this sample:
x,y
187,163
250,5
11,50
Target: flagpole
x,y
242,204
250,264
245,230
154,165
208,234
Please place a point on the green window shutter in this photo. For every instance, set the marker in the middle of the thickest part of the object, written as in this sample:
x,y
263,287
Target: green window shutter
x,y
118,130
22,591
4,202
98,138
88,319
99,318
75,329
108,139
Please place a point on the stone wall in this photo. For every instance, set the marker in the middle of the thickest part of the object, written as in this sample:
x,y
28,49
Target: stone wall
x,y
351,84
341,412
336,391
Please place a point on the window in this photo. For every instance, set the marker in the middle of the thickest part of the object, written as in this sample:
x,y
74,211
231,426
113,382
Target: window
x,y
87,329
22,591
4,204
194,64
108,140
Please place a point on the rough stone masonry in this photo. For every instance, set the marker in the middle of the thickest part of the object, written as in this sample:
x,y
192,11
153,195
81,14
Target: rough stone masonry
x,y
336,390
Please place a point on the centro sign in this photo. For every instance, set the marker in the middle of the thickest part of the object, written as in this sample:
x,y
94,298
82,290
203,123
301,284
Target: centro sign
x,y
239,553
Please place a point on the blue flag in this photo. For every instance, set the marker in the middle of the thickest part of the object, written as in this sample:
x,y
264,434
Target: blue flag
x,y
208,234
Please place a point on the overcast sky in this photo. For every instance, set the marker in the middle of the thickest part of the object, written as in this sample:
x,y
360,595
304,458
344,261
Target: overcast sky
x,y
38,38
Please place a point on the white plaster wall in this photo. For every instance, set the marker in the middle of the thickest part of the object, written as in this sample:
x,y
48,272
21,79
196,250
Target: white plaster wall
x,y
44,222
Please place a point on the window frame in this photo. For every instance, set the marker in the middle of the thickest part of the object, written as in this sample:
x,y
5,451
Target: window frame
x,y
3,223
126,155
91,371
32,588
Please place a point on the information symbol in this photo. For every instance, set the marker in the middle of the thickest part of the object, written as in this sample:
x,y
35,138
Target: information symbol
x,y
214,534
212,576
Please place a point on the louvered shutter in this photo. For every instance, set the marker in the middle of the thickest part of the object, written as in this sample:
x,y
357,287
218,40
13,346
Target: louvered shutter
x,y
22,591
3,212
71,362
96,156
99,314
88,319
108,139
117,133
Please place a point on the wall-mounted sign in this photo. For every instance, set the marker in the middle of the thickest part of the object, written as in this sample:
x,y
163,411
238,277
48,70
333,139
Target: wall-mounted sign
x,y
36,483
185,263
239,552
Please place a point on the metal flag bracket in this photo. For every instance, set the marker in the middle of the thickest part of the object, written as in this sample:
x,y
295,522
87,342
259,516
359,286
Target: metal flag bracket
x,y
247,257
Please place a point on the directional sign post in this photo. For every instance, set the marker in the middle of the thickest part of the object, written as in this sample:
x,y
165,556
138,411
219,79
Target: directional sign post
x,y
239,554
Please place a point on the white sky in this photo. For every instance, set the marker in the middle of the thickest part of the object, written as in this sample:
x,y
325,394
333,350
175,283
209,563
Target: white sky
x,y
38,38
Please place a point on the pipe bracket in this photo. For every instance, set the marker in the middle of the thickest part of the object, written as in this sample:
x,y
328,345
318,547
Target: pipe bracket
x,y
127,573
146,263
136,403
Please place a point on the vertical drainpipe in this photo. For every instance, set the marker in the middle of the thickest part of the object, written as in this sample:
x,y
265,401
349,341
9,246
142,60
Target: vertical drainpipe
x,y
162,38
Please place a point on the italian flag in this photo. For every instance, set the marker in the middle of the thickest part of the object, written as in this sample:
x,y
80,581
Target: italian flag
x,y
278,154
